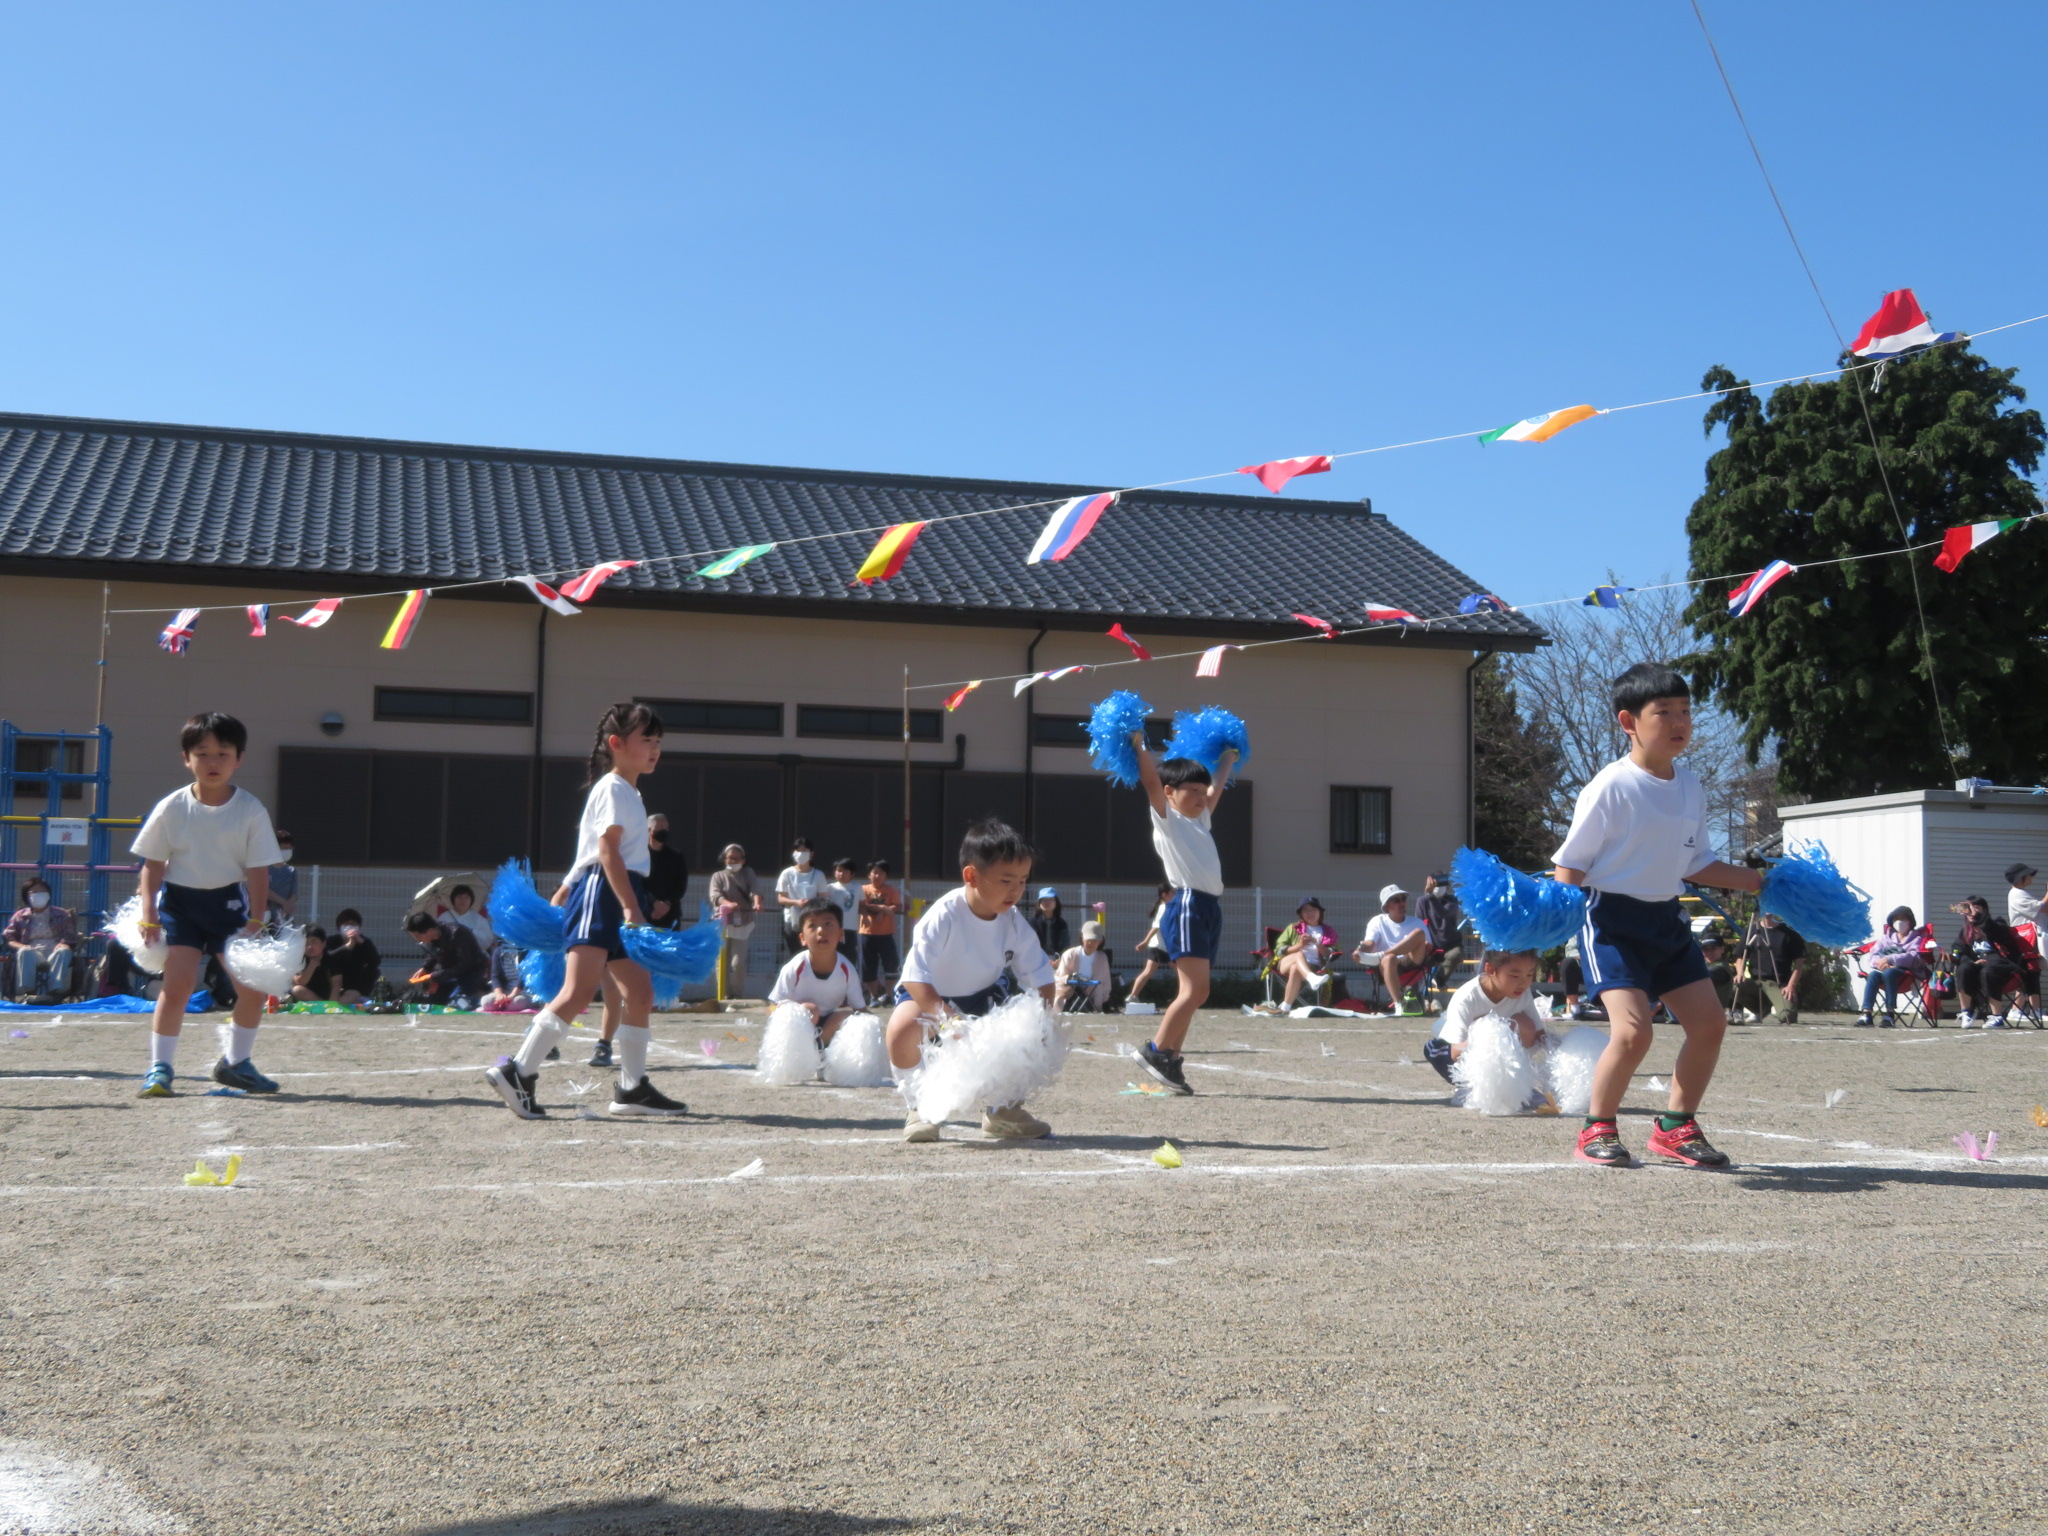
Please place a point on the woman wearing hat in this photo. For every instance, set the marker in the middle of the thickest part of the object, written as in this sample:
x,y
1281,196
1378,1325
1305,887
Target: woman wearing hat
x,y
1303,951
1050,924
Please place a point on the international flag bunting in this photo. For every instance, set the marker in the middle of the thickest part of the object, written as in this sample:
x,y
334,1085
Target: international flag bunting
x,y
316,615
1328,629
1539,429
178,633
725,565
1211,664
1380,613
1070,523
1044,677
1898,326
584,587
1752,588
407,620
1604,597
1958,542
1482,602
259,620
1116,632
1278,472
548,596
956,699
889,553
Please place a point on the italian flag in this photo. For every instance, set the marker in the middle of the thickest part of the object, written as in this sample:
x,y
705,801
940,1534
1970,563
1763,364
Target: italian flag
x,y
1539,429
1958,542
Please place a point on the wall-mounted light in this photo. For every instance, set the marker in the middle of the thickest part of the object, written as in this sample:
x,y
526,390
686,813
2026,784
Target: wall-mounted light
x,y
331,723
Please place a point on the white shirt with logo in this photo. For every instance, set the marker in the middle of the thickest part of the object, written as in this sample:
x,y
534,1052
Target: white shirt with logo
x,y
1638,835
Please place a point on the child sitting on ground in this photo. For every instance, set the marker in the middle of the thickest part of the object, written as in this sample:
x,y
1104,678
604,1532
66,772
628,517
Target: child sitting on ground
x,y
508,992
818,977
1505,989
963,954
1083,973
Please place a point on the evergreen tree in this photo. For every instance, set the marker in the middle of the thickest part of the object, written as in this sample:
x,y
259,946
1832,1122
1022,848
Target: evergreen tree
x,y
1516,771
1830,666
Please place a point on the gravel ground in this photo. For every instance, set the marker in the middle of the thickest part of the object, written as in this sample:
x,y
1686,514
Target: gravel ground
x,y
1355,1308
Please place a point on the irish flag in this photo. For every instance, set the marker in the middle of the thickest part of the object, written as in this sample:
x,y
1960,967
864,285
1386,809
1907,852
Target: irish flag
x,y
1539,429
1958,542
889,553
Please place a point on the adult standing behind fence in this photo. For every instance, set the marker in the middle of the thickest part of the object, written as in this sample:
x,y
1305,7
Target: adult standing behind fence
x,y
736,901
797,884
668,876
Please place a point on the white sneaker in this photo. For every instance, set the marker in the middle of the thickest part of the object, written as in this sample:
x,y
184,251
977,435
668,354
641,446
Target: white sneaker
x,y
915,1129
1013,1121
1967,1021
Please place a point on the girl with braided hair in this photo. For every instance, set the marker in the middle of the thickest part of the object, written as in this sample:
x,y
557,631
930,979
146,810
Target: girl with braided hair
x,y
606,891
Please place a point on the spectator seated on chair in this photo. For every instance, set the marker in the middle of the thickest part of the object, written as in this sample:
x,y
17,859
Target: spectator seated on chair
x,y
40,939
1897,959
453,972
1398,945
1990,960
2023,911
1082,974
1444,917
1302,952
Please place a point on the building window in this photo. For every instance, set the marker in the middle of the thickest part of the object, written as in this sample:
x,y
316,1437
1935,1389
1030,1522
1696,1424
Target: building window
x,y
1361,819
717,716
868,724
1072,731
439,706
32,796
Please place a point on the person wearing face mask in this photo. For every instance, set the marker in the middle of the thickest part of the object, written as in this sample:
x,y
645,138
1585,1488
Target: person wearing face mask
x,y
793,887
283,899
1898,959
668,875
736,901
40,937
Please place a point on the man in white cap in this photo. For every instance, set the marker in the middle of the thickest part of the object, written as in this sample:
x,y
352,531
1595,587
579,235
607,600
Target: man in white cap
x,y
1395,942
1083,973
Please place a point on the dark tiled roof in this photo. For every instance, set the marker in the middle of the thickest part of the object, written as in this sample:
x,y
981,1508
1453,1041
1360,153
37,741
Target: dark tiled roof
x,y
301,510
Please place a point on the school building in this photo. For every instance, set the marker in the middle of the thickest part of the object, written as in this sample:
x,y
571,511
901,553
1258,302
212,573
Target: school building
x,y
782,686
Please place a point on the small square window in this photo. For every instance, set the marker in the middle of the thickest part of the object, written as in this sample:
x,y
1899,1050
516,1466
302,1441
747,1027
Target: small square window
x,y
1361,819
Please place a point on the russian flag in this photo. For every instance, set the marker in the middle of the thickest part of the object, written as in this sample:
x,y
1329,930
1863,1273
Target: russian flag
x,y
1898,326
1070,523
1747,595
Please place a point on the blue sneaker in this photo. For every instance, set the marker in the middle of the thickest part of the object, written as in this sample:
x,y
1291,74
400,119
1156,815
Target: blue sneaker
x,y
157,1084
242,1075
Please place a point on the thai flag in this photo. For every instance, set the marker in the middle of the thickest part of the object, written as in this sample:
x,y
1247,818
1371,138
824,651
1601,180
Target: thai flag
x,y
1482,602
1070,523
259,620
1898,326
178,633
1751,591
1379,613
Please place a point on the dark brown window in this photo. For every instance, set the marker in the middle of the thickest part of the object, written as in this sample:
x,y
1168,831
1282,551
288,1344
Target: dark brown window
x,y
1361,819
868,724
440,706
717,716
1072,731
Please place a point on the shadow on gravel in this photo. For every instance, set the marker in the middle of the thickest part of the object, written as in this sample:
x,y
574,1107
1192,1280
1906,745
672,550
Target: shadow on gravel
x,y
388,1100
1851,1181
659,1517
1145,1144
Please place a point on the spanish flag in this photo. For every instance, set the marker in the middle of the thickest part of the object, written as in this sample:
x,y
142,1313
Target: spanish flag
x,y
889,553
399,635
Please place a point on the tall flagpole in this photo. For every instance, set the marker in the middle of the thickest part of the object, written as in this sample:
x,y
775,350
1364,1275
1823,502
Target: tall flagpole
x,y
906,784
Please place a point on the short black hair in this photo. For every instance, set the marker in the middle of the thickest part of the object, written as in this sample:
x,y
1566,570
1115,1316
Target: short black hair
x,y
1500,957
993,842
462,890
875,864
849,862
348,915
803,843
420,922
225,729
31,883
281,835
1176,771
315,931
1648,680
820,906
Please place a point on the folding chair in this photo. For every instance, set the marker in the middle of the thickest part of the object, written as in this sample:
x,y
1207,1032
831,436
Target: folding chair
x,y
1269,973
1369,964
1914,1000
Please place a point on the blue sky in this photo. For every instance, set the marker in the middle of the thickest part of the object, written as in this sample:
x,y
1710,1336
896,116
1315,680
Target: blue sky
x,y
1105,243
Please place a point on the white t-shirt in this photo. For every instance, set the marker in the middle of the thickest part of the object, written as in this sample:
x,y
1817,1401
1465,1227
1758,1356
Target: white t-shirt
x,y
796,982
1638,835
956,953
475,922
208,846
803,884
613,803
847,899
1383,933
1077,965
1188,851
2022,907
1469,1004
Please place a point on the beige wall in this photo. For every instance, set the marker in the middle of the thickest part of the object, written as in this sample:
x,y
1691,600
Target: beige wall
x,y
1319,714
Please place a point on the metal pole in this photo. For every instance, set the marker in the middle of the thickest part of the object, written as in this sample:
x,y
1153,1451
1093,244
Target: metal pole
x,y
906,785
101,793
540,698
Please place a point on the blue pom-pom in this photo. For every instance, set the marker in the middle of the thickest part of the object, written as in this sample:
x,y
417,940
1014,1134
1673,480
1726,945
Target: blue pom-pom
x,y
1203,734
521,915
1109,736
1811,895
1512,910
542,974
677,956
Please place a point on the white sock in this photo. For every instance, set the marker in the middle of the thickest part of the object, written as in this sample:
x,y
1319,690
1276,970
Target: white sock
x,y
632,1042
163,1048
542,1036
244,1043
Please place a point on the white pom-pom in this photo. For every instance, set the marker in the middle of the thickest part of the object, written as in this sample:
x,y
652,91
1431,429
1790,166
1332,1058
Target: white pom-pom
x,y
1571,1064
989,1062
128,932
789,1047
267,963
1498,1075
857,1056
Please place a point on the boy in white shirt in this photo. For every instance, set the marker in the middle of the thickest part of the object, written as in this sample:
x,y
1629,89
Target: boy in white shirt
x,y
962,956
1638,836
1503,988
206,851
1395,942
1083,972
1184,797
819,978
844,892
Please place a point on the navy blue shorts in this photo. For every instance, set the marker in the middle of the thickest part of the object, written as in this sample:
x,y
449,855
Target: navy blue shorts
x,y
975,1004
202,920
1645,946
593,914
1192,928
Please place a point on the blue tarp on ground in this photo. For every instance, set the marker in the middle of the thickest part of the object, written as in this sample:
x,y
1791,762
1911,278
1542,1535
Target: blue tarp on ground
x,y
201,1003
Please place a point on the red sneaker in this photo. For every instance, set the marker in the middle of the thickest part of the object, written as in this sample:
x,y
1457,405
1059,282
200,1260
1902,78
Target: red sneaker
x,y
1685,1144
1600,1143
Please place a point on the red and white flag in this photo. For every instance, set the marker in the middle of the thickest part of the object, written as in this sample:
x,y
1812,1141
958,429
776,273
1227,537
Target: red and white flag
x,y
1380,613
316,615
584,587
259,620
548,596
1211,664
1329,630
1277,472
1116,632
1898,326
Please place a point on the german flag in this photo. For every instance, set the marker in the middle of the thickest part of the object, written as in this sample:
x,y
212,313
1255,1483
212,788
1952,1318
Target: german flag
x,y
399,635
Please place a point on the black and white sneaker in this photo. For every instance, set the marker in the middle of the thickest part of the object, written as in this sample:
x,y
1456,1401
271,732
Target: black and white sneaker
x,y
1163,1067
644,1101
516,1090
